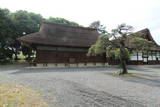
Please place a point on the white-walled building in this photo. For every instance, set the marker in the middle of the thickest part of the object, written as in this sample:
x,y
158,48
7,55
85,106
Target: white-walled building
x,y
152,56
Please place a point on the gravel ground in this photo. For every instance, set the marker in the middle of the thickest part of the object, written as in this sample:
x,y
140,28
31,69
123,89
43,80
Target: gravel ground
x,y
89,87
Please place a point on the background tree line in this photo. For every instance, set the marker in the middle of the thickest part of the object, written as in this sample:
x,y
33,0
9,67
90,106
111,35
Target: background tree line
x,y
17,24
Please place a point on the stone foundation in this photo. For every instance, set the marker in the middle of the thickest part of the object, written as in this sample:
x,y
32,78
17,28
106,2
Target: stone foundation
x,y
63,65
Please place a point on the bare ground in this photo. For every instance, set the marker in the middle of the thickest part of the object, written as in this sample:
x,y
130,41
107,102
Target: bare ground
x,y
90,87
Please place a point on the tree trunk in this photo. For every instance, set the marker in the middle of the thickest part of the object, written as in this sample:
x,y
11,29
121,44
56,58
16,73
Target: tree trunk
x,y
16,57
124,71
137,58
105,58
122,59
15,54
29,56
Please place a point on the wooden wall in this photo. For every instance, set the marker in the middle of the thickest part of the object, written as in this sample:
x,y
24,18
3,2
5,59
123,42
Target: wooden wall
x,y
50,56
61,56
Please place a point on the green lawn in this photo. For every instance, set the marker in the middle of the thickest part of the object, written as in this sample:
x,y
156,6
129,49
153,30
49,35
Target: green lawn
x,y
20,57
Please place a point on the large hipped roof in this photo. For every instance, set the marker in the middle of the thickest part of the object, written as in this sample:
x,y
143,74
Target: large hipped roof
x,y
53,34
61,35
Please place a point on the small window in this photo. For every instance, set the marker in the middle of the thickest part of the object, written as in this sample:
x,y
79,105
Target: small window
x,y
72,60
45,65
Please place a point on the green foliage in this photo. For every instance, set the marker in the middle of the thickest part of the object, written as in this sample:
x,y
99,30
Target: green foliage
x,y
106,43
6,31
17,24
140,44
101,46
27,52
114,45
91,51
24,23
62,21
116,53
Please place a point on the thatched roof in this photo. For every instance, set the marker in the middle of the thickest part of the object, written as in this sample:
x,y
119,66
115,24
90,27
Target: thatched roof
x,y
145,33
54,34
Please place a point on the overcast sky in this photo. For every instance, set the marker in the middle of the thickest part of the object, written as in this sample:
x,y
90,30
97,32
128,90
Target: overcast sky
x,y
138,13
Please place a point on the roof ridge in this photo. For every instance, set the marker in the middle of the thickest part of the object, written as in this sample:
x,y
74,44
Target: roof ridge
x,y
66,25
145,29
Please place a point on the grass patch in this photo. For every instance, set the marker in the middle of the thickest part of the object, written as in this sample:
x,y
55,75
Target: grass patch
x,y
131,75
18,62
20,57
115,73
19,96
127,75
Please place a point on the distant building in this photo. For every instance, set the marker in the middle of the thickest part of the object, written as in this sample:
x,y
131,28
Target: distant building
x,y
153,56
59,45
63,45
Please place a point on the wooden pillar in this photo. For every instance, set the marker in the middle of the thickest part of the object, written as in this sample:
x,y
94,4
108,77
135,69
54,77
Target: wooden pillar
x,y
158,57
104,56
137,57
152,55
147,57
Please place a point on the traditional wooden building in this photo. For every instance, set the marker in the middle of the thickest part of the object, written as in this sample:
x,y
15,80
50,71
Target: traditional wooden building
x,y
59,45
63,45
151,57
